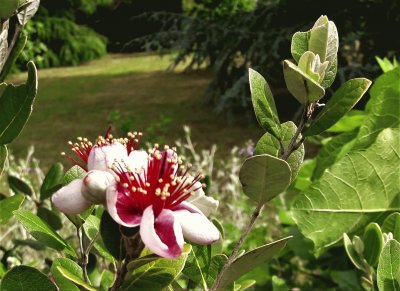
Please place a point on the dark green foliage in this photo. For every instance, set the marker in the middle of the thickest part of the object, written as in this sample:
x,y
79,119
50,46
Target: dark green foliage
x,y
231,36
57,41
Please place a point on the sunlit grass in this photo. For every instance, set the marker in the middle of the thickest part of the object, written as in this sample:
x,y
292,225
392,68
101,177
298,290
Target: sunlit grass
x,y
77,101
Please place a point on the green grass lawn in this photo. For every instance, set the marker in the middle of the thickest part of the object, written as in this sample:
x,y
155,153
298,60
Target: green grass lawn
x,y
77,101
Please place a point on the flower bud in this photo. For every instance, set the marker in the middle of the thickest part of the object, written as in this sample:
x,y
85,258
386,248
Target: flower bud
x,y
69,199
310,64
95,184
358,245
301,85
102,157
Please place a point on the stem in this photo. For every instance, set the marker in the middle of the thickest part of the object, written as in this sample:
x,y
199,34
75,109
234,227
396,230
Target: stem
x,y
121,272
293,145
17,32
239,243
83,257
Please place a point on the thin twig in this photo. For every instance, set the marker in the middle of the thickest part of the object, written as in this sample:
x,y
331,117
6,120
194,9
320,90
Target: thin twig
x,y
83,258
239,243
285,153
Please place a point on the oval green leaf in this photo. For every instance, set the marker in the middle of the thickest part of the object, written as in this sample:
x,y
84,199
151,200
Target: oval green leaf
x,y
248,261
52,180
373,243
156,275
263,177
8,205
392,224
264,104
19,186
24,278
300,44
342,101
388,276
16,104
268,144
351,252
343,194
43,232
301,86
62,282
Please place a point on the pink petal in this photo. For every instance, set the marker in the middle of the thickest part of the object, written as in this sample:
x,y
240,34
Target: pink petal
x,y
121,209
163,235
195,225
95,184
102,157
69,199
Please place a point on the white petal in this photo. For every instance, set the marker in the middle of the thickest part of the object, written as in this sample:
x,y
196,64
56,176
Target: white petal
x,y
195,225
163,235
102,157
124,216
95,184
138,160
206,204
69,199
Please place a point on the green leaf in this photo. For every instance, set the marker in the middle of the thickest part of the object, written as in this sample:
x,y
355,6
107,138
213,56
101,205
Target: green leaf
x,y
8,8
19,186
16,51
330,74
75,172
383,108
106,280
299,44
391,224
351,253
112,239
335,149
62,282
3,158
198,264
142,261
156,275
349,122
52,180
250,260
300,85
385,64
303,180
16,104
264,104
352,193
389,267
43,232
338,105
76,279
278,284
28,12
52,218
216,264
8,205
270,145
24,278
346,280
373,243
263,177
92,228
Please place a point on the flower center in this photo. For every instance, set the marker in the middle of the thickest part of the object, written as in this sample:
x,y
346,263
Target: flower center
x,y
164,183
